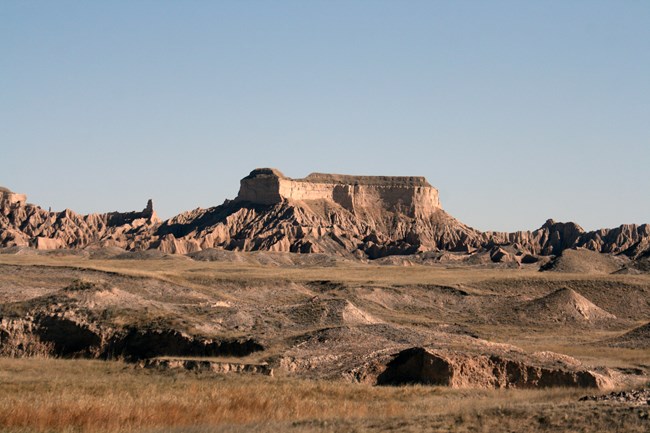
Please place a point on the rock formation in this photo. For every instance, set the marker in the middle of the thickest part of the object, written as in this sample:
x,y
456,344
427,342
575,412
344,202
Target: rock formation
x,y
356,216
553,238
462,370
8,198
23,224
322,213
360,195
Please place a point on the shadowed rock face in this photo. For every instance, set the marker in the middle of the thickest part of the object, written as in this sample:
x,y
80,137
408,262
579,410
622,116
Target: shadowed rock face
x,y
67,337
202,365
362,216
140,344
62,337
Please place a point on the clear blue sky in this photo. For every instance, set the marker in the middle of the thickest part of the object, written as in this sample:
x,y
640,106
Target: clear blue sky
x,y
517,111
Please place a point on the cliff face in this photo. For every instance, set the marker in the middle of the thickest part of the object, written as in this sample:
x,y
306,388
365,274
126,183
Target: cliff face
x,y
411,196
364,216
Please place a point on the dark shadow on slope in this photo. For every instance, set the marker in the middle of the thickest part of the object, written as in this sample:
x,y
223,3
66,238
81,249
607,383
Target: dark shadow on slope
x,y
140,344
209,217
68,338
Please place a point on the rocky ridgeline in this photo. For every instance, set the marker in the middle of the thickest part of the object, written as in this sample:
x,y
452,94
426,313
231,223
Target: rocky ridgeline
x,y
25,224
362,216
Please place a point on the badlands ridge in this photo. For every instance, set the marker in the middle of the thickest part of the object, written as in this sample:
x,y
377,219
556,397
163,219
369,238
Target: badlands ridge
x,y
366,217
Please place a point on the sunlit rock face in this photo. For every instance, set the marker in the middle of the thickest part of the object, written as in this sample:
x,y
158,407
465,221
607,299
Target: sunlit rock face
x,y
9,198
410,195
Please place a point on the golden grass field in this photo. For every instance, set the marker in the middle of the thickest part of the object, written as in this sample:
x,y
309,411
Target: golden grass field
x,y
48,395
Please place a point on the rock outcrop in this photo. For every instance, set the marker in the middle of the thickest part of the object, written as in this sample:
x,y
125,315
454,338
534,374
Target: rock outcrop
x,y
462,370
635,397
377,216
554,237
26,225
360,195
355,216
61,336
9,198
203,365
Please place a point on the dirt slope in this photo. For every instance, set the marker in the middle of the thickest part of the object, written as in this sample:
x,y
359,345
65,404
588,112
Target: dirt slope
x,y
566,305
581,261
637,338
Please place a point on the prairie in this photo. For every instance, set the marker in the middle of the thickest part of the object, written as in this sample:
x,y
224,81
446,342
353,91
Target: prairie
x,y
46,395
302,312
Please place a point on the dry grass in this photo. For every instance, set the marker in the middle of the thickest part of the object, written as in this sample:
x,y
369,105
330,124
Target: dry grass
x,y
92,396
197,274
40,395
48,395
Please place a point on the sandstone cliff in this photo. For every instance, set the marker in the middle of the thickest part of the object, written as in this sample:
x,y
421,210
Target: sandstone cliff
x,y
363,216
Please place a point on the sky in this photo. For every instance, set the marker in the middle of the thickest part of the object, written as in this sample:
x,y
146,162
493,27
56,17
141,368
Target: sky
x,y
517,111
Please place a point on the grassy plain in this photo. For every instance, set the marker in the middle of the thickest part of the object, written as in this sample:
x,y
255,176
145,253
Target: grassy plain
x,y
49,395
72,395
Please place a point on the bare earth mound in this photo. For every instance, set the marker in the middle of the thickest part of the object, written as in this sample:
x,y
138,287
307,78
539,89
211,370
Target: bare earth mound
x,y
638,338
583,261
566,305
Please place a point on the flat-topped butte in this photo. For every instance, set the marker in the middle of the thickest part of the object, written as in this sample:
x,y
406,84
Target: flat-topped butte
x,y
344,178
411,195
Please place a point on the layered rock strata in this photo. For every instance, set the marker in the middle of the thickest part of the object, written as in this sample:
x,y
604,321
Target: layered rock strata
x,y
374,215
361,195
462,370
363,216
